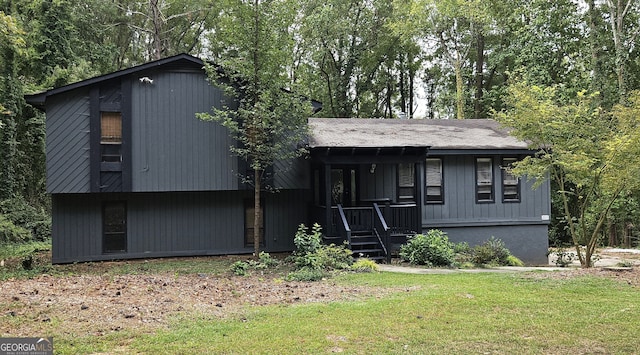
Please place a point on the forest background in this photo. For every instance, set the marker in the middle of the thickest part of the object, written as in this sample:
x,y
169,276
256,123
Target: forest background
x,y
431,59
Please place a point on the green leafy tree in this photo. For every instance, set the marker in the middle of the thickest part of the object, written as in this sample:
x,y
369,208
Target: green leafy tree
x,y
253,45
592,156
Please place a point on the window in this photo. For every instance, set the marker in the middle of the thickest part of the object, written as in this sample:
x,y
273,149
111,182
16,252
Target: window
x,y
249,218
434,189
406,183
484,180
111,136
510,182
114,227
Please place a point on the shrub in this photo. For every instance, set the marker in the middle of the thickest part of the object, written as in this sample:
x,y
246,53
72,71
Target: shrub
x,y
265,261
432,249
514,261
10,233
313,260
240,268
21,214
308,243
364,265
491,252
307,274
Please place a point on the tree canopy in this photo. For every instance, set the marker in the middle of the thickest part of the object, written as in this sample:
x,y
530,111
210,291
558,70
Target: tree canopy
x,y
373,58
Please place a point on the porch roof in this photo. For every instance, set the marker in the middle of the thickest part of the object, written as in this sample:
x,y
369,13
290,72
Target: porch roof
x,y
472,134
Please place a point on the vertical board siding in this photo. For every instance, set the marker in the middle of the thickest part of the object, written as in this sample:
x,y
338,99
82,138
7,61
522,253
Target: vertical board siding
x,y
172,224
292,174
67,146
172,149
460,204
284,212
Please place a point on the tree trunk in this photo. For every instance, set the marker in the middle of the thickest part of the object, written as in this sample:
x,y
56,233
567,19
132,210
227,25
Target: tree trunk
x,y
457,64
477,105
257,216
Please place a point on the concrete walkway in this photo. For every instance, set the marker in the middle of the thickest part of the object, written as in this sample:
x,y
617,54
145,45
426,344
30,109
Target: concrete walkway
x,y
419,270
609,257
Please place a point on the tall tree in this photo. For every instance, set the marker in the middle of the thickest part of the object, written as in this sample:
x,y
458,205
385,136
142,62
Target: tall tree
x,y
253,45
11,49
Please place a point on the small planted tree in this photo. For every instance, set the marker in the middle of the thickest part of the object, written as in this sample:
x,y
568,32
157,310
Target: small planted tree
x,y
593,156
252,43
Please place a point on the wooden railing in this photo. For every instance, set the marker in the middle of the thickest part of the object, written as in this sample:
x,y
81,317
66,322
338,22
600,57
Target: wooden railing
x,y
381,230
342,226
403,218
399,219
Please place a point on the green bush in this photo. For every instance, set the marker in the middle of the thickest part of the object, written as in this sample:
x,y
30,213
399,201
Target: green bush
x,y
265,261
308,243
314,260
491,252
21,214
240,268
432,249
364,265
10,233
307,274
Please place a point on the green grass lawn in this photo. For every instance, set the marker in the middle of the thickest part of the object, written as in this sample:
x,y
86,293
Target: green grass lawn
x,y
431,314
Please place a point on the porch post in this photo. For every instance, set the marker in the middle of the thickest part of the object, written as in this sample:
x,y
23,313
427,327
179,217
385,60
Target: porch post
x,y
328,228
420,186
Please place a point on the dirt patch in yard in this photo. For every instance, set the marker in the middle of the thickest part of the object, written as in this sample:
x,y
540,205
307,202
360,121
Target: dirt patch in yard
x,y
97,304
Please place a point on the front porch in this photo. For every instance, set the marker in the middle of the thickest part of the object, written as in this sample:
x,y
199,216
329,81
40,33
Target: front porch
x,y
368,198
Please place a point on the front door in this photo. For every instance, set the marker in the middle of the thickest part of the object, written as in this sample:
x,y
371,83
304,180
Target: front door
x,y
344,186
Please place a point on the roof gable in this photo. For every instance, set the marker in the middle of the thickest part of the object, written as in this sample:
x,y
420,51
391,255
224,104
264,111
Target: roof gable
x,y
180,61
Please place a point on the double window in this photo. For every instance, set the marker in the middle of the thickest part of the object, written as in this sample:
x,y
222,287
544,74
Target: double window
x,y
484,180
434,183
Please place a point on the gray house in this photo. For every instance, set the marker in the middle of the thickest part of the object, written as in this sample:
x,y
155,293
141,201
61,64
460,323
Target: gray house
x,y
133,173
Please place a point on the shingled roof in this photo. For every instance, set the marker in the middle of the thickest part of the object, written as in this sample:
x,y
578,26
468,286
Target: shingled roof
x,y
387,133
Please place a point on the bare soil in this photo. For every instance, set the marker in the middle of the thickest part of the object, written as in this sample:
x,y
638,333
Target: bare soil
x,y
95,304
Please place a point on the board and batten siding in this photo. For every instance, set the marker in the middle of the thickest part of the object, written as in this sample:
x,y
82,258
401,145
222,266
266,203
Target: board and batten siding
x,y
460,206
67,143
172,149
172,224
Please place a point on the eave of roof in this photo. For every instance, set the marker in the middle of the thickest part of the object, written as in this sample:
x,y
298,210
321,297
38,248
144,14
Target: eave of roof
x,y
472,134
39,99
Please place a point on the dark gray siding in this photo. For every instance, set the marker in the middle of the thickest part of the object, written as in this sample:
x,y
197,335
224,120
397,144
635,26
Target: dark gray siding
x,y
68,143
527,242
380,184
460,206
172,224
292,174
172,149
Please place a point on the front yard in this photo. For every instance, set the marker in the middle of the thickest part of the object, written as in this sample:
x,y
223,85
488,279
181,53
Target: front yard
x,y
195,305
